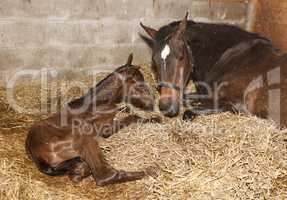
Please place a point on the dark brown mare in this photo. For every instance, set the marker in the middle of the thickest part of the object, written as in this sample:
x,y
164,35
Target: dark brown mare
x,y
232,69
66,142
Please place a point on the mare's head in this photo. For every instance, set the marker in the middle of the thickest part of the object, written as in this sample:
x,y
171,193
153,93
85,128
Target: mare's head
x,y
171,63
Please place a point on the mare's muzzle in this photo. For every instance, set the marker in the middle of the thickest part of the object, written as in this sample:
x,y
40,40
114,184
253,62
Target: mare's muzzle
x,y
169,101
169,108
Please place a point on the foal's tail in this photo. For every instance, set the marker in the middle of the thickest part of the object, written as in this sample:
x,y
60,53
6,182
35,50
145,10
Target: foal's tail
x,y
44,167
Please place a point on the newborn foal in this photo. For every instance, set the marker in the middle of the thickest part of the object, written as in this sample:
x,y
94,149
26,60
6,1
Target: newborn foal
x,y
59,146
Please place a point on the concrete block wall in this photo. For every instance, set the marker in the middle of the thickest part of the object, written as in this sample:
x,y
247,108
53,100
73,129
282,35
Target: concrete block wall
x,y
88,34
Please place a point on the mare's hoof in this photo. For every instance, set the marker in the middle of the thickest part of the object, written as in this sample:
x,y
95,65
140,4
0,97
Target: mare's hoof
x,y
189,115
156,120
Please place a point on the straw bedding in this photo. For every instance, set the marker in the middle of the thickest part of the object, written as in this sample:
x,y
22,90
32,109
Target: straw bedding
x,y
221,156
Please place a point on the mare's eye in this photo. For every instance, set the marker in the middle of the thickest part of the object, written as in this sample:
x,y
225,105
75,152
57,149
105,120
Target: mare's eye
x,y
181,57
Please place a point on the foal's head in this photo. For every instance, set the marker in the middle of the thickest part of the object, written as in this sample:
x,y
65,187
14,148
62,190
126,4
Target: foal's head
x,y
126,83
171,62
133,88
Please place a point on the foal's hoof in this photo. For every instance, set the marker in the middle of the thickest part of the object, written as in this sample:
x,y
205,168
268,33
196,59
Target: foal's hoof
x,y
126,109
189,115
120,177
106,135
76,178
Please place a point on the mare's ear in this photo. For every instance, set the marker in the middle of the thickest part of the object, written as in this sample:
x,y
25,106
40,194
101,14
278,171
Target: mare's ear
x,y
130,59
182,25
148,41
150,31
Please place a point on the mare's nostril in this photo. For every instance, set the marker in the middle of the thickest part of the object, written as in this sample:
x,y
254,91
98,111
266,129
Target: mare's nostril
x,y
162,106
172,113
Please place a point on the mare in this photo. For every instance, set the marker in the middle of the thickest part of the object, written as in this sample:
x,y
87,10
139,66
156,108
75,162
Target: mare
x,y
232,69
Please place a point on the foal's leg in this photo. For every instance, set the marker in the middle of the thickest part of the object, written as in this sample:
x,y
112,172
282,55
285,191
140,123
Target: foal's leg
x,y
120,124
135,119
79,171
102,172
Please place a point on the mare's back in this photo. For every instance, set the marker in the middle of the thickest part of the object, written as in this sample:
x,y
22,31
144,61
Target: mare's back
x,y
210,41
208,32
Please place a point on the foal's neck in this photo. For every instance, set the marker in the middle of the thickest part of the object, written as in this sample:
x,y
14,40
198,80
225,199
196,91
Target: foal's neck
x,y
106,91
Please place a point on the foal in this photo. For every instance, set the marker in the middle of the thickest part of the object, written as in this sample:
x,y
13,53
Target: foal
x,y
62,144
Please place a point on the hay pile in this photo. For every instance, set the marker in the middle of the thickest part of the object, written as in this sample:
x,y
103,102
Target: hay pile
x,y
216,157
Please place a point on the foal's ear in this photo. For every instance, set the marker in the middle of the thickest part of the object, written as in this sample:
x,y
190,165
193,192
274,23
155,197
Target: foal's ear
x,y
150,31
130,59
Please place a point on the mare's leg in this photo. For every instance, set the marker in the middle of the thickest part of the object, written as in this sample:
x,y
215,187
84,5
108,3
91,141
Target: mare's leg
x,y
254,102
102,172
79,171
207,109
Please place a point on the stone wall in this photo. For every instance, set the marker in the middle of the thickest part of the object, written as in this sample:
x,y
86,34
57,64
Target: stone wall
x,y
88,34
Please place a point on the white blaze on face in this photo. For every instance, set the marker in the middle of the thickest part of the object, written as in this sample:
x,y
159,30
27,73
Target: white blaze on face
x,y
165,52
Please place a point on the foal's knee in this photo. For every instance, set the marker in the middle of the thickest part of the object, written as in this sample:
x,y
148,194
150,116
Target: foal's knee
x,y
79,172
